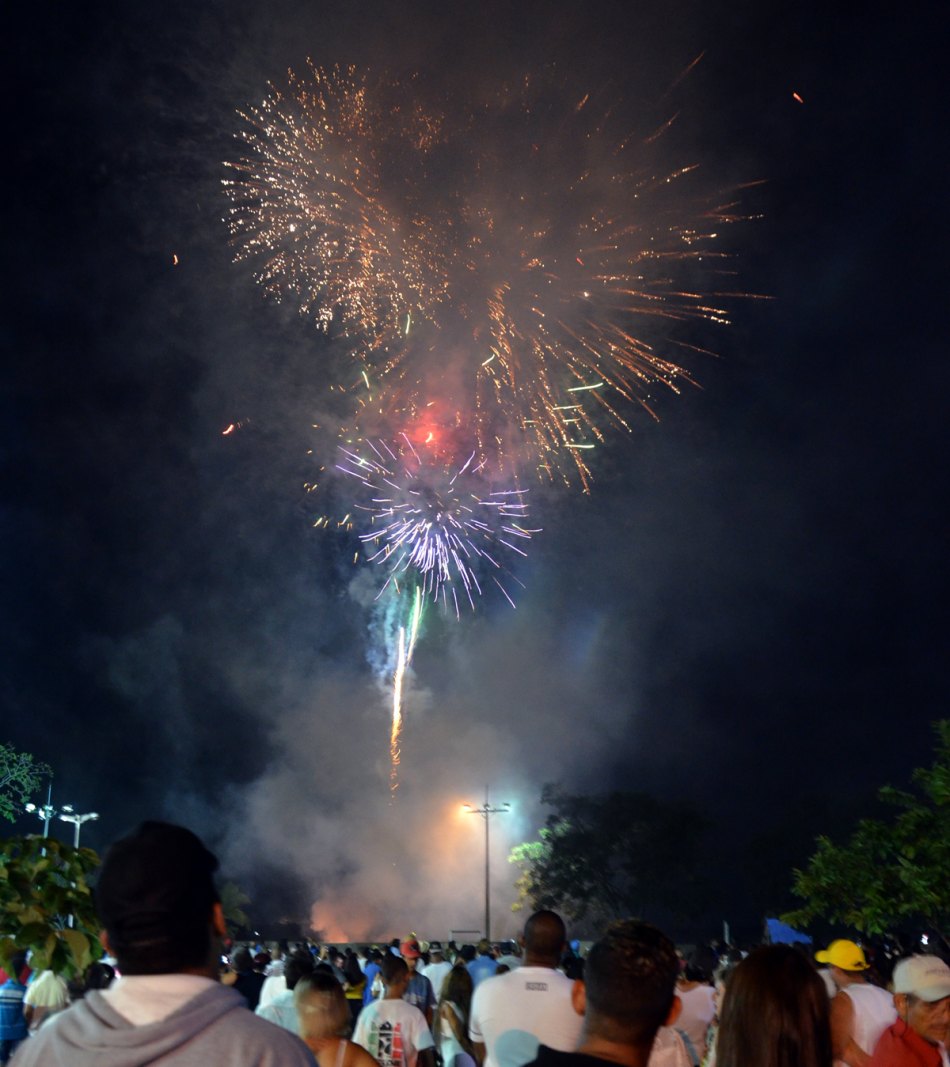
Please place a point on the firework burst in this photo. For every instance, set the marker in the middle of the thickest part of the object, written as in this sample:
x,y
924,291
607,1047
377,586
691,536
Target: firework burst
x,y
322,201
532,237
445,530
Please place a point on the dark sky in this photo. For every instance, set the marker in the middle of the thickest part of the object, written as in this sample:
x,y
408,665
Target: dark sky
x,y
747,613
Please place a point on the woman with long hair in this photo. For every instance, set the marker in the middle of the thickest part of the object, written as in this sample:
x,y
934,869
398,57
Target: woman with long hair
x,y
354,986
451,1024
325,1021
775,1013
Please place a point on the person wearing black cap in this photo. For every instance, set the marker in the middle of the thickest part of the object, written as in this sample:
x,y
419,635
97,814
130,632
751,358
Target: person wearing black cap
x,y
162,921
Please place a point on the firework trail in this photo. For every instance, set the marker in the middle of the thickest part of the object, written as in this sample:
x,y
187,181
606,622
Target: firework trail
x,y
404,651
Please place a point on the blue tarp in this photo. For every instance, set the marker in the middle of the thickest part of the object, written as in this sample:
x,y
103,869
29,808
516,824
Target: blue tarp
x,y
782,934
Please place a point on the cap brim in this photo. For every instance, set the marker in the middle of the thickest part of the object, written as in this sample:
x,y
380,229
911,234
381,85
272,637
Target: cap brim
x,y
930,993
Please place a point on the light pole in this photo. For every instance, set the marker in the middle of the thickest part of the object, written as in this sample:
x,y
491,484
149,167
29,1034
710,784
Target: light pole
x,y
45,811
487,811
68,815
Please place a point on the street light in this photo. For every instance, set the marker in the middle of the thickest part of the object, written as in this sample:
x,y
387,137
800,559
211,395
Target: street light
x,y
44,811
487,811
68,815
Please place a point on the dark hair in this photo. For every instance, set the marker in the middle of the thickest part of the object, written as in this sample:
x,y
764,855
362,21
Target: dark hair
x,y
98,976
467,952
393,967
457,988
241,960
299,965
630,981
775,1013
352,972
544,936
700,965
155,897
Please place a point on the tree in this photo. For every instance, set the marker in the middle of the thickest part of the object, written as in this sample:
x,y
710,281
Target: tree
x,y
891,872
233,899
603,857
46,904
20,775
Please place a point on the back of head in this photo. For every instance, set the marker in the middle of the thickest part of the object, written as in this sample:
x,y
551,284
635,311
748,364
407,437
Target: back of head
x,y
98,976
544,937
298,965
457,988
321,1006
630,981
775,1013
155,896
352,971
393,968
242,960
700,965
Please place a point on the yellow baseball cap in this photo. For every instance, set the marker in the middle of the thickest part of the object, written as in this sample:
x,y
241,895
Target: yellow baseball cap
x,y
844,954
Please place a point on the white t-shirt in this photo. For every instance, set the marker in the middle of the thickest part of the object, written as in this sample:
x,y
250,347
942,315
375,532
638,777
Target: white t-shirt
x,y
512,1014
393,1032
436,973
274,986
150,998
699,1007
668,1050
874,1012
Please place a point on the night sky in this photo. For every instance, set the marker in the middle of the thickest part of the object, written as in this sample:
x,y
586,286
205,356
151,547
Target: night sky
x,y
747,614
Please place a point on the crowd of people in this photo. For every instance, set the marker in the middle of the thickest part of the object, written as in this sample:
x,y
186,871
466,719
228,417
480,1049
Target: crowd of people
x,y
166,995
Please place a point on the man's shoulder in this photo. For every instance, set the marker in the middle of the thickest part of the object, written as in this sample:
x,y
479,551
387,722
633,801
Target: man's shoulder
x,y
868,991
389,1008
901,1046
249,1040
525,980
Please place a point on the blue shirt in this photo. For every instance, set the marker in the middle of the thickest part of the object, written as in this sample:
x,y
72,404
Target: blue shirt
x,y
419,993
12,1020
372,969
482,967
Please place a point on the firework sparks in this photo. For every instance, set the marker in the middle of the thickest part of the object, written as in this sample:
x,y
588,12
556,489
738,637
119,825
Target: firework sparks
x,y
524,262
309,201
541,243
445,530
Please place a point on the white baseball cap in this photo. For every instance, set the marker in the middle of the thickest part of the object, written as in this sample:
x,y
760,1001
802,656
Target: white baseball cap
x,y
926,977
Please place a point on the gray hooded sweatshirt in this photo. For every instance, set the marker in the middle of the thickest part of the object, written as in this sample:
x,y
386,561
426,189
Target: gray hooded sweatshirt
x,y
212,1028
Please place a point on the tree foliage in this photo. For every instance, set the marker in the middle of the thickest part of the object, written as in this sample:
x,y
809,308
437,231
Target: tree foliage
x,y
20,775
606,856
44,883
233,899
891,872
